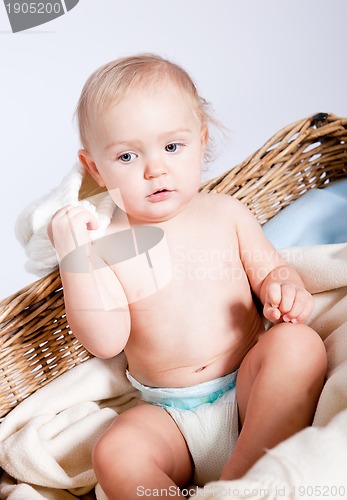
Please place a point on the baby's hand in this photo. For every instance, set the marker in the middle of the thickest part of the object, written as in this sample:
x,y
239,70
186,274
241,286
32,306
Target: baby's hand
x,y
288,301
70,228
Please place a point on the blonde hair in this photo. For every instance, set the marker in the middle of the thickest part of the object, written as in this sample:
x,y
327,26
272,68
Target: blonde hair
x,y
111,82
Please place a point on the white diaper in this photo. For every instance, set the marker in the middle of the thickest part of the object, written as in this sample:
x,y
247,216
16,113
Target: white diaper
x,y
209,428
211,432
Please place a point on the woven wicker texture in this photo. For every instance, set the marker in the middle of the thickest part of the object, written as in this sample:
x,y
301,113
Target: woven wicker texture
x,y
36,342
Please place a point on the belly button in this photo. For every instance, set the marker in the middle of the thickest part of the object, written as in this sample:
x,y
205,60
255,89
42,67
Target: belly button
x,y
200,369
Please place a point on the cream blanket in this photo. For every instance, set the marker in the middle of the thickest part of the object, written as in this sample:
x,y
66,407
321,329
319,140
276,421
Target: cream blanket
x,y
46,442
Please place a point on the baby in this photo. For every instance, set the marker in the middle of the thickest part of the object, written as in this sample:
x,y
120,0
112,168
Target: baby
x,y
216,388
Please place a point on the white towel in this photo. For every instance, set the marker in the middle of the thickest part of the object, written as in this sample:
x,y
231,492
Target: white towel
x,y
50,436
32,223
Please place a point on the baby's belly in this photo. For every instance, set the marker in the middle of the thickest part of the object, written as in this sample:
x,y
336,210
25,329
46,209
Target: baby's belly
x,y
178,374
192,330
189,356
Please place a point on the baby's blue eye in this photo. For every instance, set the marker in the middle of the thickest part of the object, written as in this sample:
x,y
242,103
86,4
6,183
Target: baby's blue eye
x,y
127,157
172,148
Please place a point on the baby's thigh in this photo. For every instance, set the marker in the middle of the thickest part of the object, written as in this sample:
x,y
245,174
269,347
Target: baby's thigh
x,y
286,355
145,435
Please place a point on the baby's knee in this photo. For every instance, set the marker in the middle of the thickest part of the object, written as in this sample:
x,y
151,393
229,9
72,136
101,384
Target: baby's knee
x,y
111,448
302,348
100,456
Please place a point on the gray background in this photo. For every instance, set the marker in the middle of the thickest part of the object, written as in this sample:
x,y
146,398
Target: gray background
x,y
262,64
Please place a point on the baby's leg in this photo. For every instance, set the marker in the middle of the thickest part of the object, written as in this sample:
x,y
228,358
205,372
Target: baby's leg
x,y
278,386
142,452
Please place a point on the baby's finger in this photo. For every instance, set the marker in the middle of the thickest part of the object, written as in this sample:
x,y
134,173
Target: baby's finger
x,y
306,313
302,307
70,228
273,294
288,297
271,313
302,299
81,220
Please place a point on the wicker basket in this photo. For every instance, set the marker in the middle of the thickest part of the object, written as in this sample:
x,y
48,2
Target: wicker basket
x,y
36,342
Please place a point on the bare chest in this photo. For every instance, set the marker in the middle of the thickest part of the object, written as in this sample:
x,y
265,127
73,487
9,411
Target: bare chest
x,y
204,301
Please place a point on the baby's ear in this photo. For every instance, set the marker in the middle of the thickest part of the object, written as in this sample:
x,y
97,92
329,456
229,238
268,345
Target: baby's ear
x,y
204,135
50,232
204,140
90,166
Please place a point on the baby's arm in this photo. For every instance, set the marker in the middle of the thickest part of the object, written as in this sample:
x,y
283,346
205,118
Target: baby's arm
x,y
95,302
277,284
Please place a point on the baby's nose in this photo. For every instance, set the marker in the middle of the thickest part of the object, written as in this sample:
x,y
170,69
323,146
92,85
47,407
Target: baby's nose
x,y
155,168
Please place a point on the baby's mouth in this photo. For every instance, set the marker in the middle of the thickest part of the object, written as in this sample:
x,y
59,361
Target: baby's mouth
x,y
159,194
160,191
164,190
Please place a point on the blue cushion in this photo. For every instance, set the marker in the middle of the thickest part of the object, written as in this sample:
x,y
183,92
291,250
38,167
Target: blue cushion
x,y
318,217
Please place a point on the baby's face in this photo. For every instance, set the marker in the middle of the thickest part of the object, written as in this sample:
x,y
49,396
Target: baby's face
x,y
148,152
